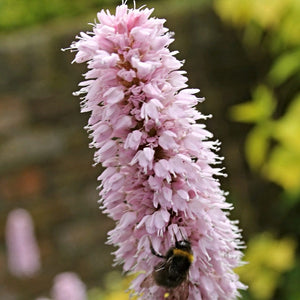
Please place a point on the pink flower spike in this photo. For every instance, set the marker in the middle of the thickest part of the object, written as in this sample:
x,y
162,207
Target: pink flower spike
x,y
159,185
22,248
68,286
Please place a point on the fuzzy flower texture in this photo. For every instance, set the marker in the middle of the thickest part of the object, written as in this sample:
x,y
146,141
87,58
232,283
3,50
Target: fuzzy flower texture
x,y
158,184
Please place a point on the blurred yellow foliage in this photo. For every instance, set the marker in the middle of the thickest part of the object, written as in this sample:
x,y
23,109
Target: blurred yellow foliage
x,y
283,163
289,29
281,16
268,13
268,258
273,144
236,11
260,108
120,295
286,65
116,287
283,166
277,23
257,146
287,129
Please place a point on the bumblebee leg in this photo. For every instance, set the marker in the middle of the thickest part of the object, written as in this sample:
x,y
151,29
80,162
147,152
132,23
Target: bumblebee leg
x,y
153,251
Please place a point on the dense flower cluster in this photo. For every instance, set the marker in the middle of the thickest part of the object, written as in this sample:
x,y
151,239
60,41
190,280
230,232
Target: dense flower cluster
x,y
158,181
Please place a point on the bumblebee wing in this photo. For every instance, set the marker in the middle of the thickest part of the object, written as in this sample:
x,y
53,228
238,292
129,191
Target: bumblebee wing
x,y
148,282
161,266
158,271
179,293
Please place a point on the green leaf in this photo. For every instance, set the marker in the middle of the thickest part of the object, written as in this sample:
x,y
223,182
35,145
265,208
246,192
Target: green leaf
x,y
289,29
268,258
259,109
287,129
283,168
235,11
284,67
257,145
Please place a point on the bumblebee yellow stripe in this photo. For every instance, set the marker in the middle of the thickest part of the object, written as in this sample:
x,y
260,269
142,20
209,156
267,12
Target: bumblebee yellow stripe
x,y
184,253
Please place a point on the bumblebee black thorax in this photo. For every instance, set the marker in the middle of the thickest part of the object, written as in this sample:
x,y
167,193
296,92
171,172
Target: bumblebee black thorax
x,y
171,272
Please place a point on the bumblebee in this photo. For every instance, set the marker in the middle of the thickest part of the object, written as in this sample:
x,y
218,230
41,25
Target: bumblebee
x,y
173,270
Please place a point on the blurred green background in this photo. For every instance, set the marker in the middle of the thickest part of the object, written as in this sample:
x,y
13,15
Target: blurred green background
x,y
245,57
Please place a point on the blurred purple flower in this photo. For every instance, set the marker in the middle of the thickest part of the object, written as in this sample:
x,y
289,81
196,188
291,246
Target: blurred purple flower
x,y
160,164
68,286
22,248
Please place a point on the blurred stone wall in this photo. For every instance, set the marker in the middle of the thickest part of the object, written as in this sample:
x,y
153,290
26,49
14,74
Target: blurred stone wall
x,y
45,162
